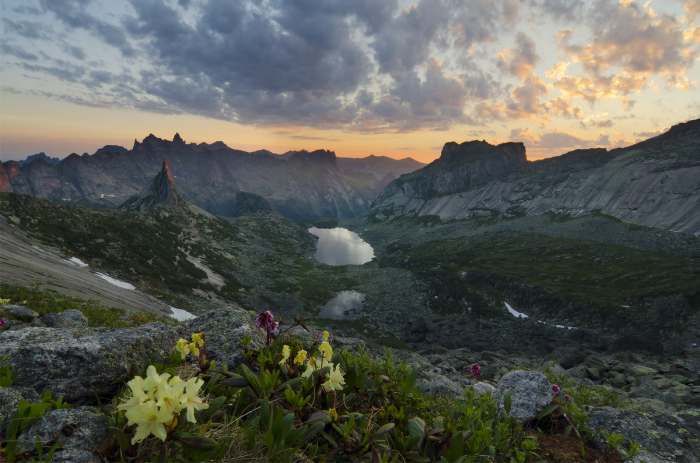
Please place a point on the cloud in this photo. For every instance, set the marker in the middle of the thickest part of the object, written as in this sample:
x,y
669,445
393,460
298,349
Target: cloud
x,y
558,142
9,49
74,15
651,133
525,100
304,137
561,107
521,60
28,29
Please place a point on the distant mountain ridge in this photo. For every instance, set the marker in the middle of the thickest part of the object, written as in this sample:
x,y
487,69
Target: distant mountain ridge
x,y
41,155
303,187
653,183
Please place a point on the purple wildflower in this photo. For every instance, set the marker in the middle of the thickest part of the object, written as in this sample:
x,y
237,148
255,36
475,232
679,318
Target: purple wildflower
x,y
273,326
2,322
264,320
555,388
567,397
476,371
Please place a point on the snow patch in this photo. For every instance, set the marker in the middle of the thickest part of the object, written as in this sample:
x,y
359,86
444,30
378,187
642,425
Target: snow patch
x,y
181,315
121,284
78,262
514,312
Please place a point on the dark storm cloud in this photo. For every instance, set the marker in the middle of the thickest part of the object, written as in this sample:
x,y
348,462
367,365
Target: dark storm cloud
x,y
28,29
9,49
73,14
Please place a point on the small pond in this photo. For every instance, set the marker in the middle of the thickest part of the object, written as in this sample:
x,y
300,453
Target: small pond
x,y
347,305
339,246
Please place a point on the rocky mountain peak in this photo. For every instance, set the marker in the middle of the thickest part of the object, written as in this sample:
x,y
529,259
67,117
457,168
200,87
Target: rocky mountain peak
x,y
476,150
178,139
161,190
318,157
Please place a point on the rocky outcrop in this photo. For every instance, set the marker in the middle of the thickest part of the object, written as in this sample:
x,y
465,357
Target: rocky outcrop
x,y
79,434
71,362
5,186
530,392
653,183
17,180
223,328
161,190
459,166
9,400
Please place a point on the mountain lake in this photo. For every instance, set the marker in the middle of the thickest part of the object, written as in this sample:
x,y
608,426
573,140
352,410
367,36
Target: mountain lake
x,y
339,246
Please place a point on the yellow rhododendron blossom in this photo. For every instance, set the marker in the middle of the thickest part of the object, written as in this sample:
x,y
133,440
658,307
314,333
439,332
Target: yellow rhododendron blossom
x,y
191,399
326,335
155,383
197,338
335,379
194,349
286,352
183,347
4,301
315,364
326,350
150,418
301,356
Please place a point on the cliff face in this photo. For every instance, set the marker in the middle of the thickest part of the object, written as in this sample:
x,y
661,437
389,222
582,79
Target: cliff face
x,y
5,186
459,166
161,190
653,183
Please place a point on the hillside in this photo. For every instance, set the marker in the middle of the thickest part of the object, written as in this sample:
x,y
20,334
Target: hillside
x,y
653,183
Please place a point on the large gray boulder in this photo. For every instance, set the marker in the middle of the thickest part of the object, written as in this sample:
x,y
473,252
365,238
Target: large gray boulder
x,y
530,392
79,433
70,362
223,329
662,436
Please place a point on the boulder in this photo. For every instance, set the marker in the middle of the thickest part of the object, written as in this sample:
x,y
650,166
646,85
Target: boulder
x,y
440,385
79,432
662,436
567,357
483,388
75,317
9,399
70,362
22,313
530,392
223,328
597,362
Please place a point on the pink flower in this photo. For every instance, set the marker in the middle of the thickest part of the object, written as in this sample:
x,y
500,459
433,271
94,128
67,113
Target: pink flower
x,y
476,371
555,388
567,397
264,319
273,326
2,322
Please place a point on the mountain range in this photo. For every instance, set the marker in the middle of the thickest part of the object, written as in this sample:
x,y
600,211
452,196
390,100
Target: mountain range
x,y
655,183
301,185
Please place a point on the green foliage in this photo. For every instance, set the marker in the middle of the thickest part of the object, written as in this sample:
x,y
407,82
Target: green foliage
x,y
44,302
582,394
325,222
7,376
23,417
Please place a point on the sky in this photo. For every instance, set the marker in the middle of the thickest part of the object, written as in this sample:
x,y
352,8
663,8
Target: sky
x,y
359,77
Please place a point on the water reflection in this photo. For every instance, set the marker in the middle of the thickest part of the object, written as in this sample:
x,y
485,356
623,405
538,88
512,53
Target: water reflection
x,y
339,246
347,305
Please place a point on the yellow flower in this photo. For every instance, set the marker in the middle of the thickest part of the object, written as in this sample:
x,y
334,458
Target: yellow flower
x,y
301,356
194,349
332,414
154,383
197,338
326,335
326,350
183,347
335,379
150,418
315,364
191,399
138,395
285,354
4,301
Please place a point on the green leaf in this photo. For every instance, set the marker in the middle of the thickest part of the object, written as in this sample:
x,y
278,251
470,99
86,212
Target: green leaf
x,y
546,411
507,402
416,429
205,415
198,442
237,381
121,438
567,431
385,429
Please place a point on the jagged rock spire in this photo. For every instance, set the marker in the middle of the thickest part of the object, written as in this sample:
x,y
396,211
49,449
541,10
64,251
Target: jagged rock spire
x,y
178,139
161,190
